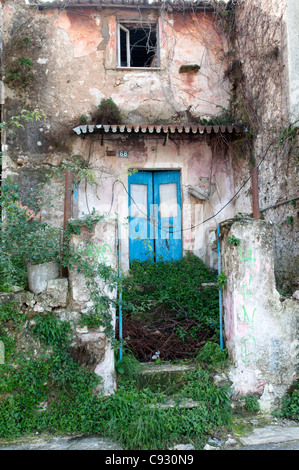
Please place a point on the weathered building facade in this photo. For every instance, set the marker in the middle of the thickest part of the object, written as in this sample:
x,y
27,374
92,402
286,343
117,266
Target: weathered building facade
x,y
79,64
171,167
264,45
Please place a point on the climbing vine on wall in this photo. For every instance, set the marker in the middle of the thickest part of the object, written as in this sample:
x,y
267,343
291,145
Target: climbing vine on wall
x,y
19,71
169,309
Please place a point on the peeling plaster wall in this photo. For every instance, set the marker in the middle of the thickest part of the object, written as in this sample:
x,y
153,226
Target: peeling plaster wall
x,y
78,61
73,54
73,51
153,95
292,19
201,163
266,88
74,61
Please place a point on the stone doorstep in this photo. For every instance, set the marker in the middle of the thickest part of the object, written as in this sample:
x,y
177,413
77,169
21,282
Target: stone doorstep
x,y
181,403
166,368
153,368
164,374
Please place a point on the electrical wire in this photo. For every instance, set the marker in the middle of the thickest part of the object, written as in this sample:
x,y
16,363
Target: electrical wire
x,y
212,216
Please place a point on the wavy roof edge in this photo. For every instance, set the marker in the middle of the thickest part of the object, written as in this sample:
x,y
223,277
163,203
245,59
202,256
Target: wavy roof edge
x,y
182,4
158,129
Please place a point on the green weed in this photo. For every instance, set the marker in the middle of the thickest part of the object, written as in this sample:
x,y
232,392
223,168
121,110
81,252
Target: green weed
x,y
175,285
290,404
212,354
233,241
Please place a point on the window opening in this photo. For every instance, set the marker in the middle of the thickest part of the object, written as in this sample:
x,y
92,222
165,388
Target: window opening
x,y
137,45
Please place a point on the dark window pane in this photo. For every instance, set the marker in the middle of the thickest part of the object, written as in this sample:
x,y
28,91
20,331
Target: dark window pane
x,y
143,44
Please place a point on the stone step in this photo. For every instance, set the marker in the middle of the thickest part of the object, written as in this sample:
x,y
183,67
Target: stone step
x,y
165,367
179,402
164,375
271,434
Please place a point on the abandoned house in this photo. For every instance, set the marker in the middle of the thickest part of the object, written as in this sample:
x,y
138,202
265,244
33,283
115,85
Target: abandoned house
x,y
195,135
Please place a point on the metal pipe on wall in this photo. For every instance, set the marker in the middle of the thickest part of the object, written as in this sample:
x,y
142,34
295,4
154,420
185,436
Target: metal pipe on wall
x,y
255,193
68,193
120,326
220,293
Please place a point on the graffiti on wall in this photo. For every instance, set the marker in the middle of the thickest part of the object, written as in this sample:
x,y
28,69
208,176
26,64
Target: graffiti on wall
x,y
248,308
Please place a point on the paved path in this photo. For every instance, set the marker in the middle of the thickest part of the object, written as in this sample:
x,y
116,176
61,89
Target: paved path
x,y
280,435
46,442
272,437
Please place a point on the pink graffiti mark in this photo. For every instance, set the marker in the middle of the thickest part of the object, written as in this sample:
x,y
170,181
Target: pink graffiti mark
x,y
260,385
257,266
229,320
238,299
248,277
242,329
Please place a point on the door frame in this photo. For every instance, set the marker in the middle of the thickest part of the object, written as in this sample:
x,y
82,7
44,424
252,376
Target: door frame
x,y
152,171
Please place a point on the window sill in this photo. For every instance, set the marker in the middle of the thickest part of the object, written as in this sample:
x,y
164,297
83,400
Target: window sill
x,y
145,69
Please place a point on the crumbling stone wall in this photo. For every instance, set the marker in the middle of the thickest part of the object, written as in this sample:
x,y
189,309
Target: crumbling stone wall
x,y
73,51
261,328
260,76
68,300
93,347
73,66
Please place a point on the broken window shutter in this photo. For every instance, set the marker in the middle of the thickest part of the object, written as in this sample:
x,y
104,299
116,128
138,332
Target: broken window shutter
x,y
139,201
168,200
124,59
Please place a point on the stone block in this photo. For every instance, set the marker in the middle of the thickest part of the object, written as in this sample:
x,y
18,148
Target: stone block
x,y
40,274
296,295
58,290
260,330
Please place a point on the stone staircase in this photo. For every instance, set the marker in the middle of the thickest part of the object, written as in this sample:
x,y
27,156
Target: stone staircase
x,y
167,377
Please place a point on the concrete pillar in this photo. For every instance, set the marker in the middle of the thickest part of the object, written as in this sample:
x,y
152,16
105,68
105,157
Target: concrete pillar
x,y
103,242
259,330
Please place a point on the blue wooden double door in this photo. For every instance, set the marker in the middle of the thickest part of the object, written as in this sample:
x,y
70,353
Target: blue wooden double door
x,y
155,216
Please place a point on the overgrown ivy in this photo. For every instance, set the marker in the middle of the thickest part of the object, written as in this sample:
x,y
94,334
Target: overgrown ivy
x,y
48,391
23,238
290,404
9,315
177,285
91,262
175,298
52,393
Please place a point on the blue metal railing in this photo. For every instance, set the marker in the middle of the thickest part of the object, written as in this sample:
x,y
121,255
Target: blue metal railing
x,y
120,326
220,293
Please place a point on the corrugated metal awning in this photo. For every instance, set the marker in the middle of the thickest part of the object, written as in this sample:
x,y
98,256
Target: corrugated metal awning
x,y
157,129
